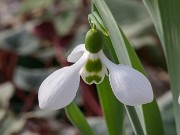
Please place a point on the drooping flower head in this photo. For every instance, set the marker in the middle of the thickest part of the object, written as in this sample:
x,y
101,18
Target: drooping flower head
x,y
128,85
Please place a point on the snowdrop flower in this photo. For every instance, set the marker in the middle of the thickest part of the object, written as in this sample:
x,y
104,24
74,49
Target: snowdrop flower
x,y
59,89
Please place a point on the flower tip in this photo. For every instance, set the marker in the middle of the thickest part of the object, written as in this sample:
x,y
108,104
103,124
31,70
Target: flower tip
x,y
42,106
45,106
76,54
149,99
149,96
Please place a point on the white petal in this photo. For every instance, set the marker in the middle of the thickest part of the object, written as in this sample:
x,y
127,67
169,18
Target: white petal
x,y
130,86
76,53
59,89
179,100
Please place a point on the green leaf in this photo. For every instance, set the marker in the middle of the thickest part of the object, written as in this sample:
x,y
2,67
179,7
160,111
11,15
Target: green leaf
x,y
152,117
113,110
116,36
130,110
78,119
166,18
126,55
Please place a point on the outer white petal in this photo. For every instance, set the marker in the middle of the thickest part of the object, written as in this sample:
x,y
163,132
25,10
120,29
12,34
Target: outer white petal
x,y
129,85
179,100
59,89
76,53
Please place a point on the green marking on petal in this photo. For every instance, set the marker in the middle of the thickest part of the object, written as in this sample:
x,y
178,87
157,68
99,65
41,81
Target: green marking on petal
x,y
92,78
93,65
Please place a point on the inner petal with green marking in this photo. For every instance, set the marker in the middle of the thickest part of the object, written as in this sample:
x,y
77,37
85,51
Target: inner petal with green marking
x,y
94,70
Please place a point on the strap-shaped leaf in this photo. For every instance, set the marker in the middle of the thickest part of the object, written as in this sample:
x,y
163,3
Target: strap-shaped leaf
x,y
113,110
126,55
78,119
166,18
152,117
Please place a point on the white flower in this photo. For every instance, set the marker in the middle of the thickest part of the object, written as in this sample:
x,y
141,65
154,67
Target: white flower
x,y
59,89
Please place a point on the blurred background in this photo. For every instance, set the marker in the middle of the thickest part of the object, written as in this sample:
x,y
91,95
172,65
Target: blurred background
x,y
35,39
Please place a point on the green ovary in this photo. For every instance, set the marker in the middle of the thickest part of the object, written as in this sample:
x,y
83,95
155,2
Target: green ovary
x,y
92,78
93,41
93,65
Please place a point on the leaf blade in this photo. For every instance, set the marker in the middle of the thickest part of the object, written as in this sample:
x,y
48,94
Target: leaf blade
x,y
120,44
113,110
150,110
77,118
167,24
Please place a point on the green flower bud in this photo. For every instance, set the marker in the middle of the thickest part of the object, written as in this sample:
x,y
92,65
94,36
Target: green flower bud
x,y
93,41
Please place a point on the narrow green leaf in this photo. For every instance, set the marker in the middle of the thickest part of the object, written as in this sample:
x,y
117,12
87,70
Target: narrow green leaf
x,y
152,117
167,23
126,55
117,44
153,8
115,35
78,119
113,110
131,112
